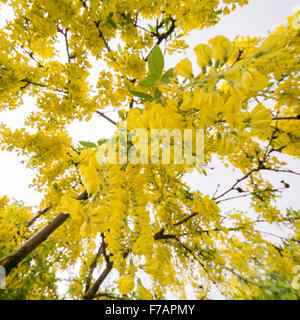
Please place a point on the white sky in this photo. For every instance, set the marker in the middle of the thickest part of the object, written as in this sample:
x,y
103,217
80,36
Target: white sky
x,y
255,19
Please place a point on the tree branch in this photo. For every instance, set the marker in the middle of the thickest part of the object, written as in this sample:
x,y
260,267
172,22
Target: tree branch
x,y
40,213
97,24
12,260
288,118
91,293
237,182
106,117
65,34
108,295
92,267
186,219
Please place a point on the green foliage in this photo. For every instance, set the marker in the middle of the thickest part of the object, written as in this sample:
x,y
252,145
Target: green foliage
x,y
142,95
87,144
156,61
274,286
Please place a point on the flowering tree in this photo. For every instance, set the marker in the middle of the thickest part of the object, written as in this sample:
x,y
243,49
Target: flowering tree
x,y
120,229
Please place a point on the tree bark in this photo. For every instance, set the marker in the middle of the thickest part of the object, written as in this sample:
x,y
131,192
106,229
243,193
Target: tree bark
x,y
91,293
40,213
12,260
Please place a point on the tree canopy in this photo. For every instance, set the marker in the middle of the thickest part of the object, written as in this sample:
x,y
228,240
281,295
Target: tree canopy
x,y
137,230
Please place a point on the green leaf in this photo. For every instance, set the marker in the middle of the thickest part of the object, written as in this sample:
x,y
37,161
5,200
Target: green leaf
x,y
180,103
167,22
33,91
88,144
157,94
169,73
166,78
112,24
152,29
122,115
100,142
150,81
129,19
156,61
120,50
142,95
187,195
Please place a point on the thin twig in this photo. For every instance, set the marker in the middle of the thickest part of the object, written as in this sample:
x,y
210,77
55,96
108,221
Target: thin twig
x,y
106,117
92,267
288,118
40,213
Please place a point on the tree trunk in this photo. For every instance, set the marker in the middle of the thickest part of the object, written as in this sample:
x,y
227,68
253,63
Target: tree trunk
x,y
11,261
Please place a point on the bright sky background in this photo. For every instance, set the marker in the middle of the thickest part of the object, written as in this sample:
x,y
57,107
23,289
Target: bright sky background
x,y
256,19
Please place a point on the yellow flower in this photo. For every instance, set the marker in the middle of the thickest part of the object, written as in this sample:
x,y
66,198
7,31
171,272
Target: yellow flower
x,y
86,228
296,22
221,47
204,55
259,81
270,47
66,202
226,11
89,178
142,292
126,284
164,88
232,105
260,117
225,146
72,206
184,68
187,101
143,245
76,211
